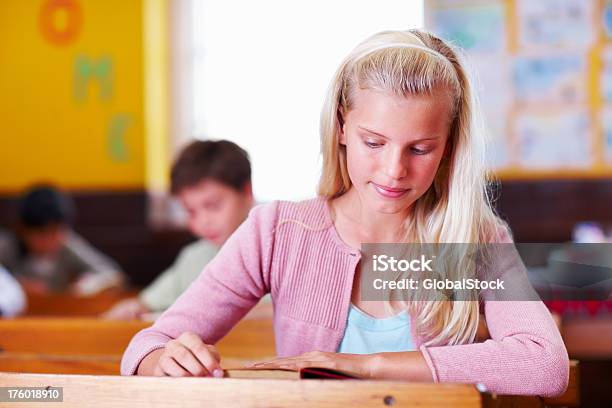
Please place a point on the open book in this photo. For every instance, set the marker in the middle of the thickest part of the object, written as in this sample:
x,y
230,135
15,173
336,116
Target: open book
x,y
278,373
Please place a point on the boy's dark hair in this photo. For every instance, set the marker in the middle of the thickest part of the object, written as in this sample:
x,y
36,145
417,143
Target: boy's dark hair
x,y
44,205
221,160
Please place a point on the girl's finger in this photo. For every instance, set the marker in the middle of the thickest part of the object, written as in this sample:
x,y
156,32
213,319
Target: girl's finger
x,y
169,367
185,358
208,360
213,350
207,356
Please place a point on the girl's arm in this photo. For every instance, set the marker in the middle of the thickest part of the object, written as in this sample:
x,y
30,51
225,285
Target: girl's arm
x,y
405,366
525,354
229,286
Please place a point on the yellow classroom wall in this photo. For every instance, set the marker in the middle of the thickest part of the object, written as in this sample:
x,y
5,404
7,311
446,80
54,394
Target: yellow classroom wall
x,y
83,93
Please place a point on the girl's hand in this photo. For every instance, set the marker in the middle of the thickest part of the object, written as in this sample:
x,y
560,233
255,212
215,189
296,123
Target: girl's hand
x,y
185,356
359,365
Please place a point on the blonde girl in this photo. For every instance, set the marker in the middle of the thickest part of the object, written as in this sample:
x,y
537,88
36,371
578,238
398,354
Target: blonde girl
x,y
403,161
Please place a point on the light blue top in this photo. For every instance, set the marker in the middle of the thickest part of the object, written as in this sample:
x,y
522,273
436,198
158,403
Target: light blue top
x,y
365,334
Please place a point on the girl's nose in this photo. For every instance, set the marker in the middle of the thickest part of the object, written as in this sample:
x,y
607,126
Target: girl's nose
x,y
394,165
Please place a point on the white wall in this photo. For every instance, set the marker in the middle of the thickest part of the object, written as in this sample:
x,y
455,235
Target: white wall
x,y
260,72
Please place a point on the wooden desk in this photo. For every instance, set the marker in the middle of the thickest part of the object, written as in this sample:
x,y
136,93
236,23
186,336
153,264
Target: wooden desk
x,y
91,346
135,392
75,364
67,336
55,364
115,391
70,305
251,338
99,365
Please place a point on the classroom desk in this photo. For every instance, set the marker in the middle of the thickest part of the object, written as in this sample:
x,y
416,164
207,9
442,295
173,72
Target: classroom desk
x,y
54,364
112,390
68,305
134,392
64,304
67,336
79,364
251,338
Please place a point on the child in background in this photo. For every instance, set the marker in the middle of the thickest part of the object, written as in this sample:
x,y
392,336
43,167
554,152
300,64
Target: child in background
x,y
12,298
212,179
403,161
47,255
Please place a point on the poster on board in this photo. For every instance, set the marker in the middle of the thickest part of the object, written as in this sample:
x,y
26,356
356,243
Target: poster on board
x,y
477,26
553,78
555,139
555,23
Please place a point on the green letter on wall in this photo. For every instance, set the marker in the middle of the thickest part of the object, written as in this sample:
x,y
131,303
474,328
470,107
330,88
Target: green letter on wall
x,y
86,70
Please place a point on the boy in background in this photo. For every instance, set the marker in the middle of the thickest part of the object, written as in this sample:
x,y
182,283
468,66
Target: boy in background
x,y
212,180
46,255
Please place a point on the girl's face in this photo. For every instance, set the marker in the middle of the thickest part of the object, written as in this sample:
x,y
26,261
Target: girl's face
x,y
394,146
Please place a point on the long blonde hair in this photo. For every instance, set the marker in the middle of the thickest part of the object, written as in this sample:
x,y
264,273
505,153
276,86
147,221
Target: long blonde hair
x,y
456,207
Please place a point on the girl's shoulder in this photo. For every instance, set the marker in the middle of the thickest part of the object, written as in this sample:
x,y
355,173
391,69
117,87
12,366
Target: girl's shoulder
x,y
313,213
269,218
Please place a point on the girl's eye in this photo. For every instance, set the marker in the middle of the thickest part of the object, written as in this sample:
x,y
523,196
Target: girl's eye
x,y
417,151
372,145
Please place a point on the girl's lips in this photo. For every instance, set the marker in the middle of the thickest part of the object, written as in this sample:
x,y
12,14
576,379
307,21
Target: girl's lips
x,y
389,192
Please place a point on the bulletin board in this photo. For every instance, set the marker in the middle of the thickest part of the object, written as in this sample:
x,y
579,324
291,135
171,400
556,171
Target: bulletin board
x,y
72,93
543,72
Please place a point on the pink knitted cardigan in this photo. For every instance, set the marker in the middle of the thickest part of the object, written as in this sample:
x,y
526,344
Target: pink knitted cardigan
x,y
293,251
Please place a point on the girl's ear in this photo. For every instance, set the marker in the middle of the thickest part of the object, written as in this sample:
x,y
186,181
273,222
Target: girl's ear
x,y
341,126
